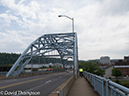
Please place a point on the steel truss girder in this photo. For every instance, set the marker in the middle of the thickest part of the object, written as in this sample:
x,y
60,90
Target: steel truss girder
x,y
64,44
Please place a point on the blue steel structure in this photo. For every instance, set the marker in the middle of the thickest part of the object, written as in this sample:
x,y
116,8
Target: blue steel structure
x,y
105,87
63,46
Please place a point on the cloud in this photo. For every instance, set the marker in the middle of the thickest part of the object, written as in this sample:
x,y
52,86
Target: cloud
x,y
115,7
14,41
7,18
100,33
101,25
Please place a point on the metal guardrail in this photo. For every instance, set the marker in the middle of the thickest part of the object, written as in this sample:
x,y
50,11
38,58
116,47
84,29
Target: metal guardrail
x,y
3,73
106,87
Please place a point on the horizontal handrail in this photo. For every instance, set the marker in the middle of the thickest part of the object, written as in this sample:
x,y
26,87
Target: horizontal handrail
x,y
105,87
3,73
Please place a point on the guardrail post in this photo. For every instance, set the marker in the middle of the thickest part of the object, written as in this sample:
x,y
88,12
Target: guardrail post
x,y
102,94
94,83
90,79
107,88
87,75
106,91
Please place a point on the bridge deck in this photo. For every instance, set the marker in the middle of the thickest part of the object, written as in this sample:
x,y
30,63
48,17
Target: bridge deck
x,y
81,87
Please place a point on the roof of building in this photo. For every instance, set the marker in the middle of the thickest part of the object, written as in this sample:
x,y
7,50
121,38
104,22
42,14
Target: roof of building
x,y
127,66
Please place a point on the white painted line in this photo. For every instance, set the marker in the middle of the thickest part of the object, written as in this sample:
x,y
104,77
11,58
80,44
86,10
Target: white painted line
x,y
48,81
38,86
34,88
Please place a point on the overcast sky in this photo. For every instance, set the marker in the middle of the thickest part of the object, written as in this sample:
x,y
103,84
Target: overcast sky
x,y
102,26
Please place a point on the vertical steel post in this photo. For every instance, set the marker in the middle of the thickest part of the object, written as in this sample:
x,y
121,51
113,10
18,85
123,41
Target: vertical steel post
x,y
31,59
75,56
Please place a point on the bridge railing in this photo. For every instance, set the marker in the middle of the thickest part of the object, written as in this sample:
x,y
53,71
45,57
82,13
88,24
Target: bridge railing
x,y
105,87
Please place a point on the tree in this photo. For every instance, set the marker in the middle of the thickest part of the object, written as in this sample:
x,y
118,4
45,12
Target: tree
x,y
8,58
116,72
50,66
88,66
92,67
100,72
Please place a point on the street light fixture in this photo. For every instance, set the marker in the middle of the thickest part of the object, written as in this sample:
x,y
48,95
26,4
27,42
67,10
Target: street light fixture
x,y
69,18
75,66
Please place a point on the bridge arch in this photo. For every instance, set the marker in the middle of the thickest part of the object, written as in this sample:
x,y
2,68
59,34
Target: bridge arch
x,y
64,45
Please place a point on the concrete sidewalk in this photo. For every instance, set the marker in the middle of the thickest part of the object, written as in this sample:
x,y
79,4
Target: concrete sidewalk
x,y
81,87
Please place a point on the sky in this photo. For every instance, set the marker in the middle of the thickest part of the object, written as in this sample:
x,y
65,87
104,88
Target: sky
x,y
102,26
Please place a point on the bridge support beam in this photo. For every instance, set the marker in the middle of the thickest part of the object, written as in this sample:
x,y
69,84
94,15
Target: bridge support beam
x,y
75,56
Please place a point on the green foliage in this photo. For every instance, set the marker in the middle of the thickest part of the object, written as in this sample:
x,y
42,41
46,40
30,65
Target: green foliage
x,y
8,58
17,68
117,81
44,67
54,67
27,68
125,83
35,69
92,67
116,72
50,66
99,72
60,67
88,66
45,60
57,66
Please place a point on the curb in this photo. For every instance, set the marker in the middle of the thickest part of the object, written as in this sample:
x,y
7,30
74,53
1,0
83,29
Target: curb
x,y
63,89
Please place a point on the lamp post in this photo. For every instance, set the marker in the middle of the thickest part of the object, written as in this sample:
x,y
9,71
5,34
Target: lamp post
x,y
75,66
70,19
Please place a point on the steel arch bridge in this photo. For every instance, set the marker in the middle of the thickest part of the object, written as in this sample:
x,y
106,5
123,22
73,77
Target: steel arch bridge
x,y
63,46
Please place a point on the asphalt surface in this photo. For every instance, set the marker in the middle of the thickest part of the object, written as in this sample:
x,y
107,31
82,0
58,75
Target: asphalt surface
x,y
108,72
41,85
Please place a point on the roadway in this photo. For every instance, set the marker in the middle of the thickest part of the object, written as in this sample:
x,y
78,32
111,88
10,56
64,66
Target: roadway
x,y
108,72
41,85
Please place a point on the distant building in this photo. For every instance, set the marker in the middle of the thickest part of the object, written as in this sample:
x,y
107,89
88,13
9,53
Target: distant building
x,y
126,58
123,66
105,60
41,65
69,66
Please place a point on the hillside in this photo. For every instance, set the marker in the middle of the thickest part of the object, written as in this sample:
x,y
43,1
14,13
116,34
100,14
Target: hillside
x,y
8,58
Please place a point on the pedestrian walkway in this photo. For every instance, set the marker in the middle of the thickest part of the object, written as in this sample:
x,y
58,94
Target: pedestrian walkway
x,y
81,87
